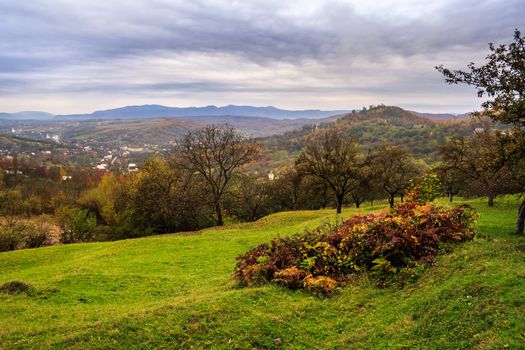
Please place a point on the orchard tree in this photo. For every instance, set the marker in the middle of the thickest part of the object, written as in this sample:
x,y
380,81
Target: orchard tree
x,y
501,80
478,160
452,180
335,161
287,188
393,169
250,197
216,153
164,198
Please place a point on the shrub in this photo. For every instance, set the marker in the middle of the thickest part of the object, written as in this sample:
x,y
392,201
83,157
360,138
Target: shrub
x,y
17,233
78,225
291,277
321,285
383,244
37,235
12,234
426,191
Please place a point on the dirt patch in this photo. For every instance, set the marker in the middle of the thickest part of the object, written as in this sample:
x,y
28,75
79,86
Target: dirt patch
x,y
16,287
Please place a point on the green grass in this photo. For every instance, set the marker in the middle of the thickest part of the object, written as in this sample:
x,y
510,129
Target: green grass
x,y
175,291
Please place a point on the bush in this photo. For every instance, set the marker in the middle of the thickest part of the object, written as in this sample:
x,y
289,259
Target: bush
x,y
12,234
37,235
78,225
16,233
383,244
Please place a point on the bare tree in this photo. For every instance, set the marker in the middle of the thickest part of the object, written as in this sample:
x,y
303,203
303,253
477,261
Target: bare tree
x,y
393,169
250,197
216,153
479,161
333,160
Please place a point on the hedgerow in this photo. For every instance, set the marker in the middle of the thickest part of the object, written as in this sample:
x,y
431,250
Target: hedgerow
x,y
319,260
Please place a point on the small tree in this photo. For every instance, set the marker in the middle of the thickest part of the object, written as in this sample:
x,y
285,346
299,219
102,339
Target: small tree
x,y
478,160
164,198
216,153
335,161
451,178
393,169
502,80
250,197
78,225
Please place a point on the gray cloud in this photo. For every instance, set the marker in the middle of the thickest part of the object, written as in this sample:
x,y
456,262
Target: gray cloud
x,y
337,51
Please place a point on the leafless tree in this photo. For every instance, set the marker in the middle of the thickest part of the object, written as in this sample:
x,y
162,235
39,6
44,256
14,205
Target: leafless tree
x,y
216,153
334,160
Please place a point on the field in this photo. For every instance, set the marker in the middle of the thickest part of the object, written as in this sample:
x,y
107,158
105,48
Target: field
x,y
175,291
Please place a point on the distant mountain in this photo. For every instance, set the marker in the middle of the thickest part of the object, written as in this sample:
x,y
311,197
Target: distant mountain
x,y
158,111
443,116
190,113
29,115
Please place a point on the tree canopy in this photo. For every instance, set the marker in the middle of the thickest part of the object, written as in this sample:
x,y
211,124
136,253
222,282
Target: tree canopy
x,y
502,81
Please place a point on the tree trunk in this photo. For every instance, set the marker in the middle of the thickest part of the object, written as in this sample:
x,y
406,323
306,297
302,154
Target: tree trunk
x,y
218,210
391,201
357,204
521,218
324,202
451,197
339,204
254,213
491,200
401,197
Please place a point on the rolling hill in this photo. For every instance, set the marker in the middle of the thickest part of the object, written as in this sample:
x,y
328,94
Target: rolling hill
x,y
161,131
16,143
382,124
175,291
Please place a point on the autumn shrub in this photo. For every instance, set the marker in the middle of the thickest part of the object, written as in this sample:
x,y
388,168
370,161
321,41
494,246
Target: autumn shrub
x,y
12,234
382,244
20,233
78,225
37,234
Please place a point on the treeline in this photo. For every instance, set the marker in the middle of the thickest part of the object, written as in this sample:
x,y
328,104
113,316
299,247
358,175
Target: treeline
x,y
480,165
211,178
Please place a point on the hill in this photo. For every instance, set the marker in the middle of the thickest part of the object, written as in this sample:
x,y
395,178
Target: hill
x,y
161,131
443,116
419,135
16,143
175,291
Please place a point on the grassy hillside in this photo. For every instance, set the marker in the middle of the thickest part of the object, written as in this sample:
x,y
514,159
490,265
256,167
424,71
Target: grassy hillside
x,y
372,127
15,143
175,291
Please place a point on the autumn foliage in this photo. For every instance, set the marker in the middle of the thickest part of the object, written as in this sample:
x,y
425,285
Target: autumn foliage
x,y
319,260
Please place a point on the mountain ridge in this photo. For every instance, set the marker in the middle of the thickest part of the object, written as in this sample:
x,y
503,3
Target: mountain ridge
x,y
160,111
149,111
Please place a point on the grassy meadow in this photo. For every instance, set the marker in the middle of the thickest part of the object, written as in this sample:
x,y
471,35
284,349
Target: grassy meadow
x,y
175,291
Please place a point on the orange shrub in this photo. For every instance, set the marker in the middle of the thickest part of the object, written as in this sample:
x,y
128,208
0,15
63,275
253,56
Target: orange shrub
x,y
317,260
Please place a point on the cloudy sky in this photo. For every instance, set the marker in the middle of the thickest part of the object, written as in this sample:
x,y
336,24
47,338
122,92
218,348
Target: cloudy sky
x,y
68,56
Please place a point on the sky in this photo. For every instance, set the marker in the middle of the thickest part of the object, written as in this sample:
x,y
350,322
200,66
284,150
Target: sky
x,y
76,56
